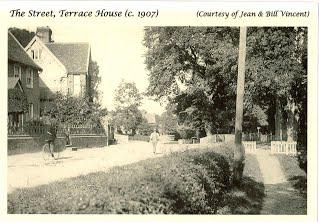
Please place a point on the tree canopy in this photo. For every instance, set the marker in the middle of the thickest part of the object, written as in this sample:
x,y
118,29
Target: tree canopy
x,y
127,100
95,80
73,110
22,35
195,68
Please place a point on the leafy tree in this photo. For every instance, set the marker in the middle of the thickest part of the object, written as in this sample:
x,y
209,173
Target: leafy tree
x,y
127,119
273,66
94,80
168,120
277,80
127,95
22,35
195,68
17,101
255,116
73,110
144,128
186,132
127,99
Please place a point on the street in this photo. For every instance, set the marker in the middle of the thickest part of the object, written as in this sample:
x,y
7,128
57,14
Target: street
x,y
28,170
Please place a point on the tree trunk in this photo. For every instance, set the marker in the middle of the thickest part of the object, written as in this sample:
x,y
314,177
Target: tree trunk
x,y
239,151
208,130
278,121
291,120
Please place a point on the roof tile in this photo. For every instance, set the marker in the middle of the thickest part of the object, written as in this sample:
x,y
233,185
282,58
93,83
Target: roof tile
x,y
12,82
74,56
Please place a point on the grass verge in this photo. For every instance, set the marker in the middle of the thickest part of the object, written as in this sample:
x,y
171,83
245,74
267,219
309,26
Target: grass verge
x,y
192,182
296,176
248,198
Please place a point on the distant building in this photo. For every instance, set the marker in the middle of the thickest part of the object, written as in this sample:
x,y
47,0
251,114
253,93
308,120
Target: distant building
x,y
66,66
23,85
150,117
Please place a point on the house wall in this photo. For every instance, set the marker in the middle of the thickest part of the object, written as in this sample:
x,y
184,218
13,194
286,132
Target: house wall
x,y
32,94
53,74
77,84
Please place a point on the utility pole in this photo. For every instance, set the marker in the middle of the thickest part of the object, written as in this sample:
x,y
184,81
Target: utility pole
x,y
239,151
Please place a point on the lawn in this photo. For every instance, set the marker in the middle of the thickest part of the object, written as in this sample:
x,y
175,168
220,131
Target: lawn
x,y
248,198
190,182
293,173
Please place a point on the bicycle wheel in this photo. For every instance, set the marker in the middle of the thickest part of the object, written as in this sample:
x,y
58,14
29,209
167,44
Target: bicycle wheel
x,y
46,153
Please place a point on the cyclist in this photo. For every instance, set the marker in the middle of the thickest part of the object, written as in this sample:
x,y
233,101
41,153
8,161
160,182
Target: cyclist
x,y
52,136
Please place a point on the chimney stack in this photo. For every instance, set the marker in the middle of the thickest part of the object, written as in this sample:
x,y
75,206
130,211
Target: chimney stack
x,y
44,33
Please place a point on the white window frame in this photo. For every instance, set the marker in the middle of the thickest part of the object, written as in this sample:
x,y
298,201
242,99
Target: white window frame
x,y
35,54
18,68
30,110
29,75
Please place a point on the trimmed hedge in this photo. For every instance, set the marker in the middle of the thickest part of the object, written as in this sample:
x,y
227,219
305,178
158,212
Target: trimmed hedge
x,y
192,182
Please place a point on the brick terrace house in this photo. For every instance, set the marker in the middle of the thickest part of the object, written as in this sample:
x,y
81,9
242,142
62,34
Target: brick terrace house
x,y
23,85
66,66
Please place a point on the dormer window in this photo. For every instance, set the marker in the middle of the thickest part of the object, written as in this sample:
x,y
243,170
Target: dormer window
x,y
36,54
17,71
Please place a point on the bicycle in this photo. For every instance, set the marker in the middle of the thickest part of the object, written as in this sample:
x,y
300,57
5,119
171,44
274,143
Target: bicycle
x,y
49,151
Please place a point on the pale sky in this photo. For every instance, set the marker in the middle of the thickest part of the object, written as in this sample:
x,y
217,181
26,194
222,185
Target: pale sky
x,y
118,50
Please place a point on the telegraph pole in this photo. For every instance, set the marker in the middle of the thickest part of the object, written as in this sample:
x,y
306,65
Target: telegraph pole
x,y
239,151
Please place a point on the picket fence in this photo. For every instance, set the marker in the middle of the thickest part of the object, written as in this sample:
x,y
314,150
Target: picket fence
x,y
39,129
250,146
283,147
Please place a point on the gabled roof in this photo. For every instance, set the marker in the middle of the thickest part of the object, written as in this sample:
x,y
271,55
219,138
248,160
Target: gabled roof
x,y
74,56
13,82
17,53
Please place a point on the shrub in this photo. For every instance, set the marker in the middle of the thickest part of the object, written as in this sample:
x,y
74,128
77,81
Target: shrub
x,y
186,132
144,128
302,158
192,182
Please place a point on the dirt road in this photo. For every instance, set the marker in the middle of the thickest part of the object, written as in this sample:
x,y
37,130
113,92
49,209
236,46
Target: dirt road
x,y
28,170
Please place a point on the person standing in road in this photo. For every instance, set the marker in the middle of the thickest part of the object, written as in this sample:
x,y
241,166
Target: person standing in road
x,y
154,138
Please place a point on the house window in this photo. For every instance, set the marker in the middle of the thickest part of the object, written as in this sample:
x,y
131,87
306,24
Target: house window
x,y
41,111
36,54
29,78
30,110
17,71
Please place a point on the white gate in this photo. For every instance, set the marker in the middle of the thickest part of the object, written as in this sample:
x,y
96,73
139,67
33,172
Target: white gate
x,y
283,147
250,146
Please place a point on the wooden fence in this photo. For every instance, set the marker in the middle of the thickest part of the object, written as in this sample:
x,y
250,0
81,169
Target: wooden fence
x,y
40,129
263,138
250,146
283,147
139,138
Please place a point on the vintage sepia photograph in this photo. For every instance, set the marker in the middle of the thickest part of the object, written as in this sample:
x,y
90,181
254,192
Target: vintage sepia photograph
x,y
157,119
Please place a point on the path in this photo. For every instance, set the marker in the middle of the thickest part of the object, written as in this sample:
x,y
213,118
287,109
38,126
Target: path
x,y
270,167
28,170
280,196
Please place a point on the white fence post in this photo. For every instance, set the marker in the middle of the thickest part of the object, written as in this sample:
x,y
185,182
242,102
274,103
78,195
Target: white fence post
x,y
250,146
283,147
